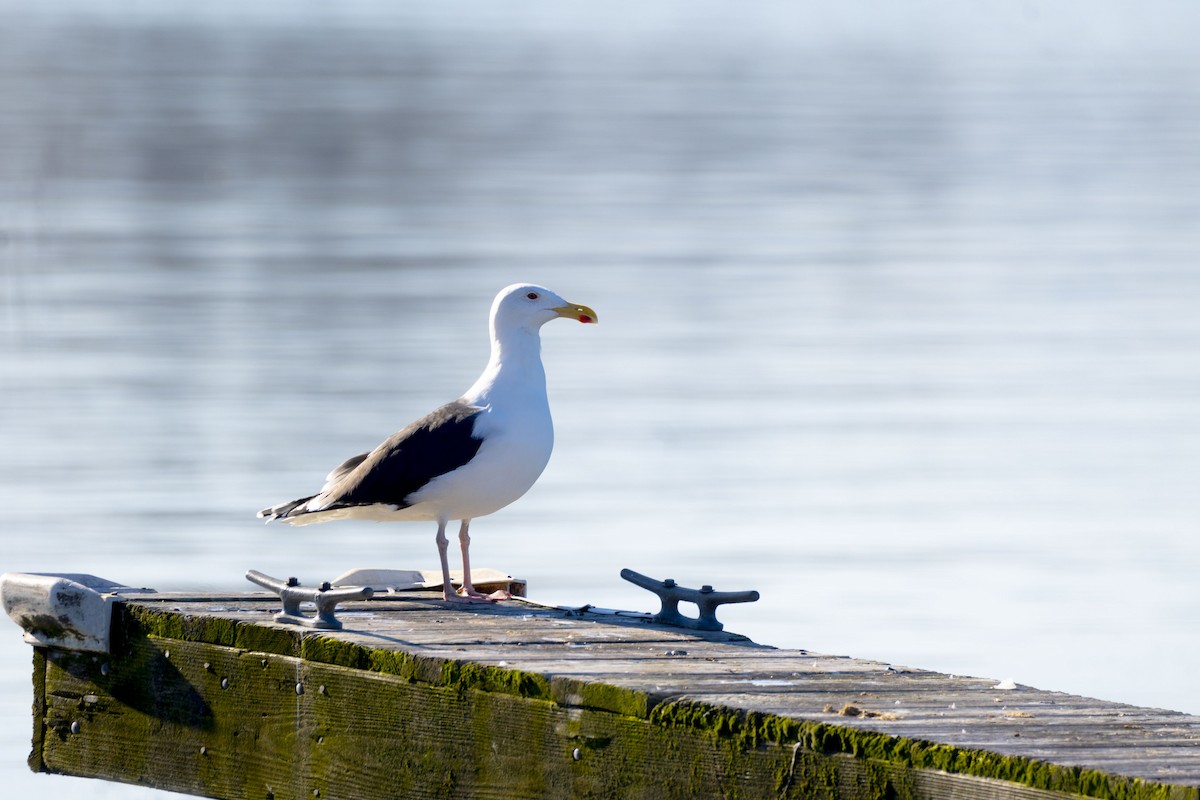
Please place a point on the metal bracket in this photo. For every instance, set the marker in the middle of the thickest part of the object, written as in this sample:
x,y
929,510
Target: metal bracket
x,y
293,594
705,599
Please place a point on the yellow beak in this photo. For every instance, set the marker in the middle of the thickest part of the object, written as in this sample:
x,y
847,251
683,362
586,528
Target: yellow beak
x,y
581,313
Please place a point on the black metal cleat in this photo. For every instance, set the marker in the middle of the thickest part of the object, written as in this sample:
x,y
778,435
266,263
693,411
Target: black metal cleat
x,y
325,598
705,599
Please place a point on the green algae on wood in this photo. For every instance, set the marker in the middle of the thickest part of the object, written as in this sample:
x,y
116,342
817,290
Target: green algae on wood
x,y
751,730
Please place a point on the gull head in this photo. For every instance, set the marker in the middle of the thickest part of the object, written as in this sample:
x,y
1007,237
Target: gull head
x,y
528,306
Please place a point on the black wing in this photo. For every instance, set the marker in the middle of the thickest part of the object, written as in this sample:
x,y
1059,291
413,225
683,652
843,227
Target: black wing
x,y
438,443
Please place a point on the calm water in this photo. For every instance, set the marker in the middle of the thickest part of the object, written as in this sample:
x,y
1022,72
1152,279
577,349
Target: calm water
x,y
898,320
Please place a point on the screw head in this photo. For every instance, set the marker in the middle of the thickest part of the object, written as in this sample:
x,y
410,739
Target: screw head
x,y
669,583
577,754
293,581
299,688
706,588
76,727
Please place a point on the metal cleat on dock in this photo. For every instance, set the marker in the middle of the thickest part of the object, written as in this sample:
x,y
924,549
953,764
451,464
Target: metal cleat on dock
x,y
325,598
705,599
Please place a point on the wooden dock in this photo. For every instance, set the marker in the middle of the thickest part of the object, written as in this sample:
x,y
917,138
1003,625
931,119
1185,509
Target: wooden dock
x,y
417,698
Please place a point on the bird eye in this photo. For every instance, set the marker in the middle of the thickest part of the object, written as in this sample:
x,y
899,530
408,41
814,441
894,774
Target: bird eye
x,y
532,295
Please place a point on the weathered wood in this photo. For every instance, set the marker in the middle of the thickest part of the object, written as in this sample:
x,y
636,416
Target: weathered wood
x,y
39,711
417,699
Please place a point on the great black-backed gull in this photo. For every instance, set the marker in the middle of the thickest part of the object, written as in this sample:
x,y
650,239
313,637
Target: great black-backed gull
x,y
468,458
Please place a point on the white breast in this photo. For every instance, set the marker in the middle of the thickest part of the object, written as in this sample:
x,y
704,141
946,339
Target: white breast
x,y
515,451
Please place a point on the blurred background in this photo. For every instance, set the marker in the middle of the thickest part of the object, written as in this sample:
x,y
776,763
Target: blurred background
x,y
899,308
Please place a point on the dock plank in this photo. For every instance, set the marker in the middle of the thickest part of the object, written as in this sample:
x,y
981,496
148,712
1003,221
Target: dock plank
x,y
728,671
518,700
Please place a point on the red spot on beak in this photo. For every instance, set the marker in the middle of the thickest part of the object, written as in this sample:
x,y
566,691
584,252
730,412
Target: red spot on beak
x,y
584,318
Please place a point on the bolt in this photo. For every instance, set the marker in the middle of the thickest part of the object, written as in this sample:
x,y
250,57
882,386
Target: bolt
x,y
324,587
203,750
577,754
706,589
224,683
299,688
669,583
294,582
104,669
321,689
75,727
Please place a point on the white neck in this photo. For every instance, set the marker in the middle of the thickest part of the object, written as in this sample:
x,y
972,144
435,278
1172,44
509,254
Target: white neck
x,y
514,370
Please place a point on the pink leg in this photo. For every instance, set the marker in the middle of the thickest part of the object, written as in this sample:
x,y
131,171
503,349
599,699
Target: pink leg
x,y
448,592
464,541
442,544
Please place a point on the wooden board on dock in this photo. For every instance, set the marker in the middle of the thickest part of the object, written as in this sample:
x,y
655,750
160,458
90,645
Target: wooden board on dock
x,y
420,698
